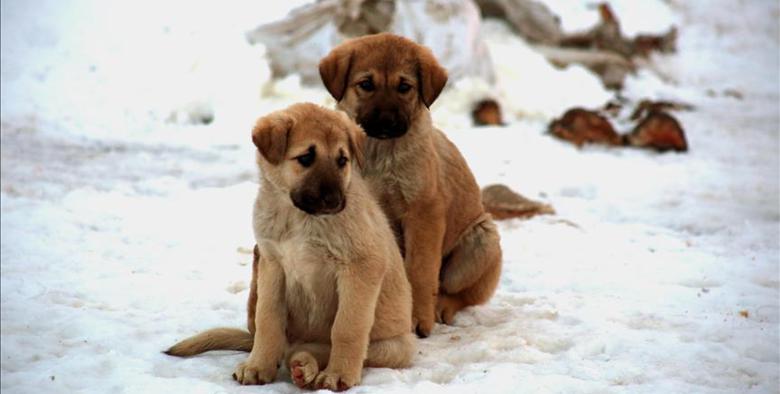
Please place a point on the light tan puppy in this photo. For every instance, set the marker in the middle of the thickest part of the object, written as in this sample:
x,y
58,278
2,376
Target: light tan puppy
x,y
332,294
451,246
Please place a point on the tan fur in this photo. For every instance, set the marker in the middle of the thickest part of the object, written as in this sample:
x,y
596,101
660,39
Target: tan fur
x,y
423,183
332,294
251,304
214,339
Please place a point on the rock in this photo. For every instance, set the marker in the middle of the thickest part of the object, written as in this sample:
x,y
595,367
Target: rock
x,y
660,131
581,126
487,113
503,203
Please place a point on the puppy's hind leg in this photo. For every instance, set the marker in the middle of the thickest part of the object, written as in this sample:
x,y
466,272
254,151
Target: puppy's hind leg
x,y
305,360
471,272
395,352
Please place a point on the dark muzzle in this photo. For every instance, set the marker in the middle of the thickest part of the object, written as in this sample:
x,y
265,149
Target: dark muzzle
x,y
384,124
322,199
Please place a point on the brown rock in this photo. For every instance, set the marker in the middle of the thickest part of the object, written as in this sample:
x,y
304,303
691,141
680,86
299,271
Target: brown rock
x,y
503,203
659,130
487,113
581,126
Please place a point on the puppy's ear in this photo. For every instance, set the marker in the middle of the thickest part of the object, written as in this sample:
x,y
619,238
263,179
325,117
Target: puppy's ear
x,y
431,76
334,70
357,140
270,136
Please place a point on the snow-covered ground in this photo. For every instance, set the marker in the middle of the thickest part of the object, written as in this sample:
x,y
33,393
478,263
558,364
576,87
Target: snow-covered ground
x,y
125,224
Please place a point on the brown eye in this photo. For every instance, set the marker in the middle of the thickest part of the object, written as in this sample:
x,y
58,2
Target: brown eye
x,y
307,159
404,87
367,85
341,161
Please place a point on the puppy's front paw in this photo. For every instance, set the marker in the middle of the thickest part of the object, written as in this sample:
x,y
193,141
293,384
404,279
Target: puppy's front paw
x,y
334,381
250,373
446,307
423,316
422,327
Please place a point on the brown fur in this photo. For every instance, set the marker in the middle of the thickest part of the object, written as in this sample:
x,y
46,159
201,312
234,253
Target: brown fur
x,y
331,292
451,246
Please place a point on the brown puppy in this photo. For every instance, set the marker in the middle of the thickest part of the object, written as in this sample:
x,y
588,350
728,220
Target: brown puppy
x,y
451,246
332,294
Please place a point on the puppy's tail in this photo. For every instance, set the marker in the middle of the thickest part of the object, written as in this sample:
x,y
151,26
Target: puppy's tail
x,y
214,339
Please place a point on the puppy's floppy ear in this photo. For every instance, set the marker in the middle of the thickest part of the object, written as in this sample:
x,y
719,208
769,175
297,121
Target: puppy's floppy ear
x,y
431,76
334,70
357,139
270,135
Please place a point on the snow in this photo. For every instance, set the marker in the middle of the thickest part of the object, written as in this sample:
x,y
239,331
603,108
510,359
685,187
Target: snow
x,y
125,223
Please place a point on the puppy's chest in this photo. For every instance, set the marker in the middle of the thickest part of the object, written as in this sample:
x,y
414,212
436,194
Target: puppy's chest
x,y
393,184
307,264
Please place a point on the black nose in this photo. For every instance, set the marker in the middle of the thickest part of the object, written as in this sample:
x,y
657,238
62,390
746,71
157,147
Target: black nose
x,y
309,200
331,199
384,124
388,121
322,200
